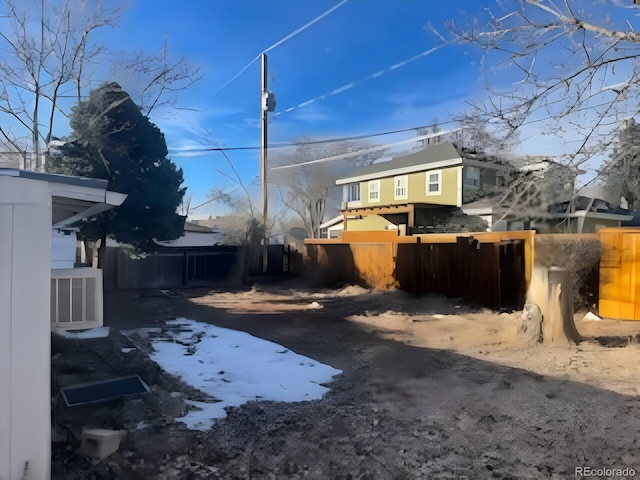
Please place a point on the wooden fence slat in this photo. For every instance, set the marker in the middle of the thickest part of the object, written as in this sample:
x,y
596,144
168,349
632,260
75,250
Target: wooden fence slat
x,y
490,273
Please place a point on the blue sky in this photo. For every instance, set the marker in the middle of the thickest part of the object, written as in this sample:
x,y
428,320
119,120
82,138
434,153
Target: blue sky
x,y
345,48
355,41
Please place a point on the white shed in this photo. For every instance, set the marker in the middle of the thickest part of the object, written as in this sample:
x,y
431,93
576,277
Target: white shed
x,y
30,204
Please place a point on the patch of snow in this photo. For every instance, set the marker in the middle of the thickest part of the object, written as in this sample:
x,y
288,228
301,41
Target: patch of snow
x,y
314,305
99,332
127,350
203,416
352,290
591,316
235,367
438,315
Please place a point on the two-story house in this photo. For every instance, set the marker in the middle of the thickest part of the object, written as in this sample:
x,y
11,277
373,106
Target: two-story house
x,y
409,192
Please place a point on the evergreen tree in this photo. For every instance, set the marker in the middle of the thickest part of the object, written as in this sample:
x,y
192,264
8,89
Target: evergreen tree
x,y
621,177
113,140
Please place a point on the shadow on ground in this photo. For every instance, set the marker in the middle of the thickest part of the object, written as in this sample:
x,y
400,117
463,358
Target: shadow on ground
x,y
397,411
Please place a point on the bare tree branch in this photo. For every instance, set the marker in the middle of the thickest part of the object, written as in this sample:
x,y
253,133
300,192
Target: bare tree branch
x,y
48,48
580,71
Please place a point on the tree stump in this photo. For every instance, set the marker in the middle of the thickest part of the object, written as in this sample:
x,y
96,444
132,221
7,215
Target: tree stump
x,y
558,325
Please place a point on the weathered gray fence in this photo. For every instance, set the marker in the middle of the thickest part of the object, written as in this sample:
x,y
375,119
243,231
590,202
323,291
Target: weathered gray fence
x,y
189,266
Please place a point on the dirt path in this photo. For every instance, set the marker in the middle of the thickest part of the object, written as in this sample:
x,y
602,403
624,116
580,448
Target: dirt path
x,y
472,404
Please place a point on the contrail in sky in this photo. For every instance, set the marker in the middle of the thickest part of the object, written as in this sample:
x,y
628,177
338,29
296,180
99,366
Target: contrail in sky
x,y
283,40
304,27
357,82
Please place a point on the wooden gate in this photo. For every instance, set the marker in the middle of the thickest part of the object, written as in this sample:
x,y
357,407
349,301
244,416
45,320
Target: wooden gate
x,y
620,273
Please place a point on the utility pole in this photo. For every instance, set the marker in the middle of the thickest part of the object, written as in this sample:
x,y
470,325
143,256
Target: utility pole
x,y
267,104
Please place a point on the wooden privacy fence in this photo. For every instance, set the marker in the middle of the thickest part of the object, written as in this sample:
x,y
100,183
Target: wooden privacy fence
x,y
168,268
493,272
184,266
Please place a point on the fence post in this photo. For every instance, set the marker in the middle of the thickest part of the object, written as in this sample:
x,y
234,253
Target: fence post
x,y
419,266
185,259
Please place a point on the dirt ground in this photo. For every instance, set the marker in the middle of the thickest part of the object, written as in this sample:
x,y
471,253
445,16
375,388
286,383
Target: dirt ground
x,y
431,388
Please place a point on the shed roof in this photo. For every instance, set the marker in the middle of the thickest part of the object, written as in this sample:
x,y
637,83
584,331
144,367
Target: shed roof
x,y
57,178
72,198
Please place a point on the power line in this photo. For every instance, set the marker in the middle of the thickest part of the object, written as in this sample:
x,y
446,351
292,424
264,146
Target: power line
x,y
349,86
312,142
283,40
365,151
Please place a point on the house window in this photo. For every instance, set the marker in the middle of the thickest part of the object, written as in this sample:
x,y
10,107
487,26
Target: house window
x,y
434,182
353,192
472,177
401,187
374,191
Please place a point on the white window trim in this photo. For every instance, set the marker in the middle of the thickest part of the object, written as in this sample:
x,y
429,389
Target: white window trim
x,y
404,179
377,184
428,173
353,188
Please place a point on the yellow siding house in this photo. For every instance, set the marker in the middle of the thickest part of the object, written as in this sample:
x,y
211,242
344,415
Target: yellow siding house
x,y
406,192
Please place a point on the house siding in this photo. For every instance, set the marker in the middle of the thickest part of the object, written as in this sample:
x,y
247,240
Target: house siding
x,y
371,222
591,224
417,193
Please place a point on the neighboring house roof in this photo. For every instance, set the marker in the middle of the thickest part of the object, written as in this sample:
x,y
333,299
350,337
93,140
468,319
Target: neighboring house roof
x,y
196,227
484,206
72,198
335,221
194,235
435,156
582,202
589,207
193,239
330,223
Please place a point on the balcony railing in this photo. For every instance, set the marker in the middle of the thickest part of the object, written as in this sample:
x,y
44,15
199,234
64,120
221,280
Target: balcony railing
x,y
76,298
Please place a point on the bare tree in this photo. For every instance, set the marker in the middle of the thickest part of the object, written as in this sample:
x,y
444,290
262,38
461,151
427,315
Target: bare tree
x,y
621,176
48,52
242,227
306,190
155,77
43,52
573,68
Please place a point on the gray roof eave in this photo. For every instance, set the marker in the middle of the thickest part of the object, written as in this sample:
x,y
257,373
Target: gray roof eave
x,y
98,183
